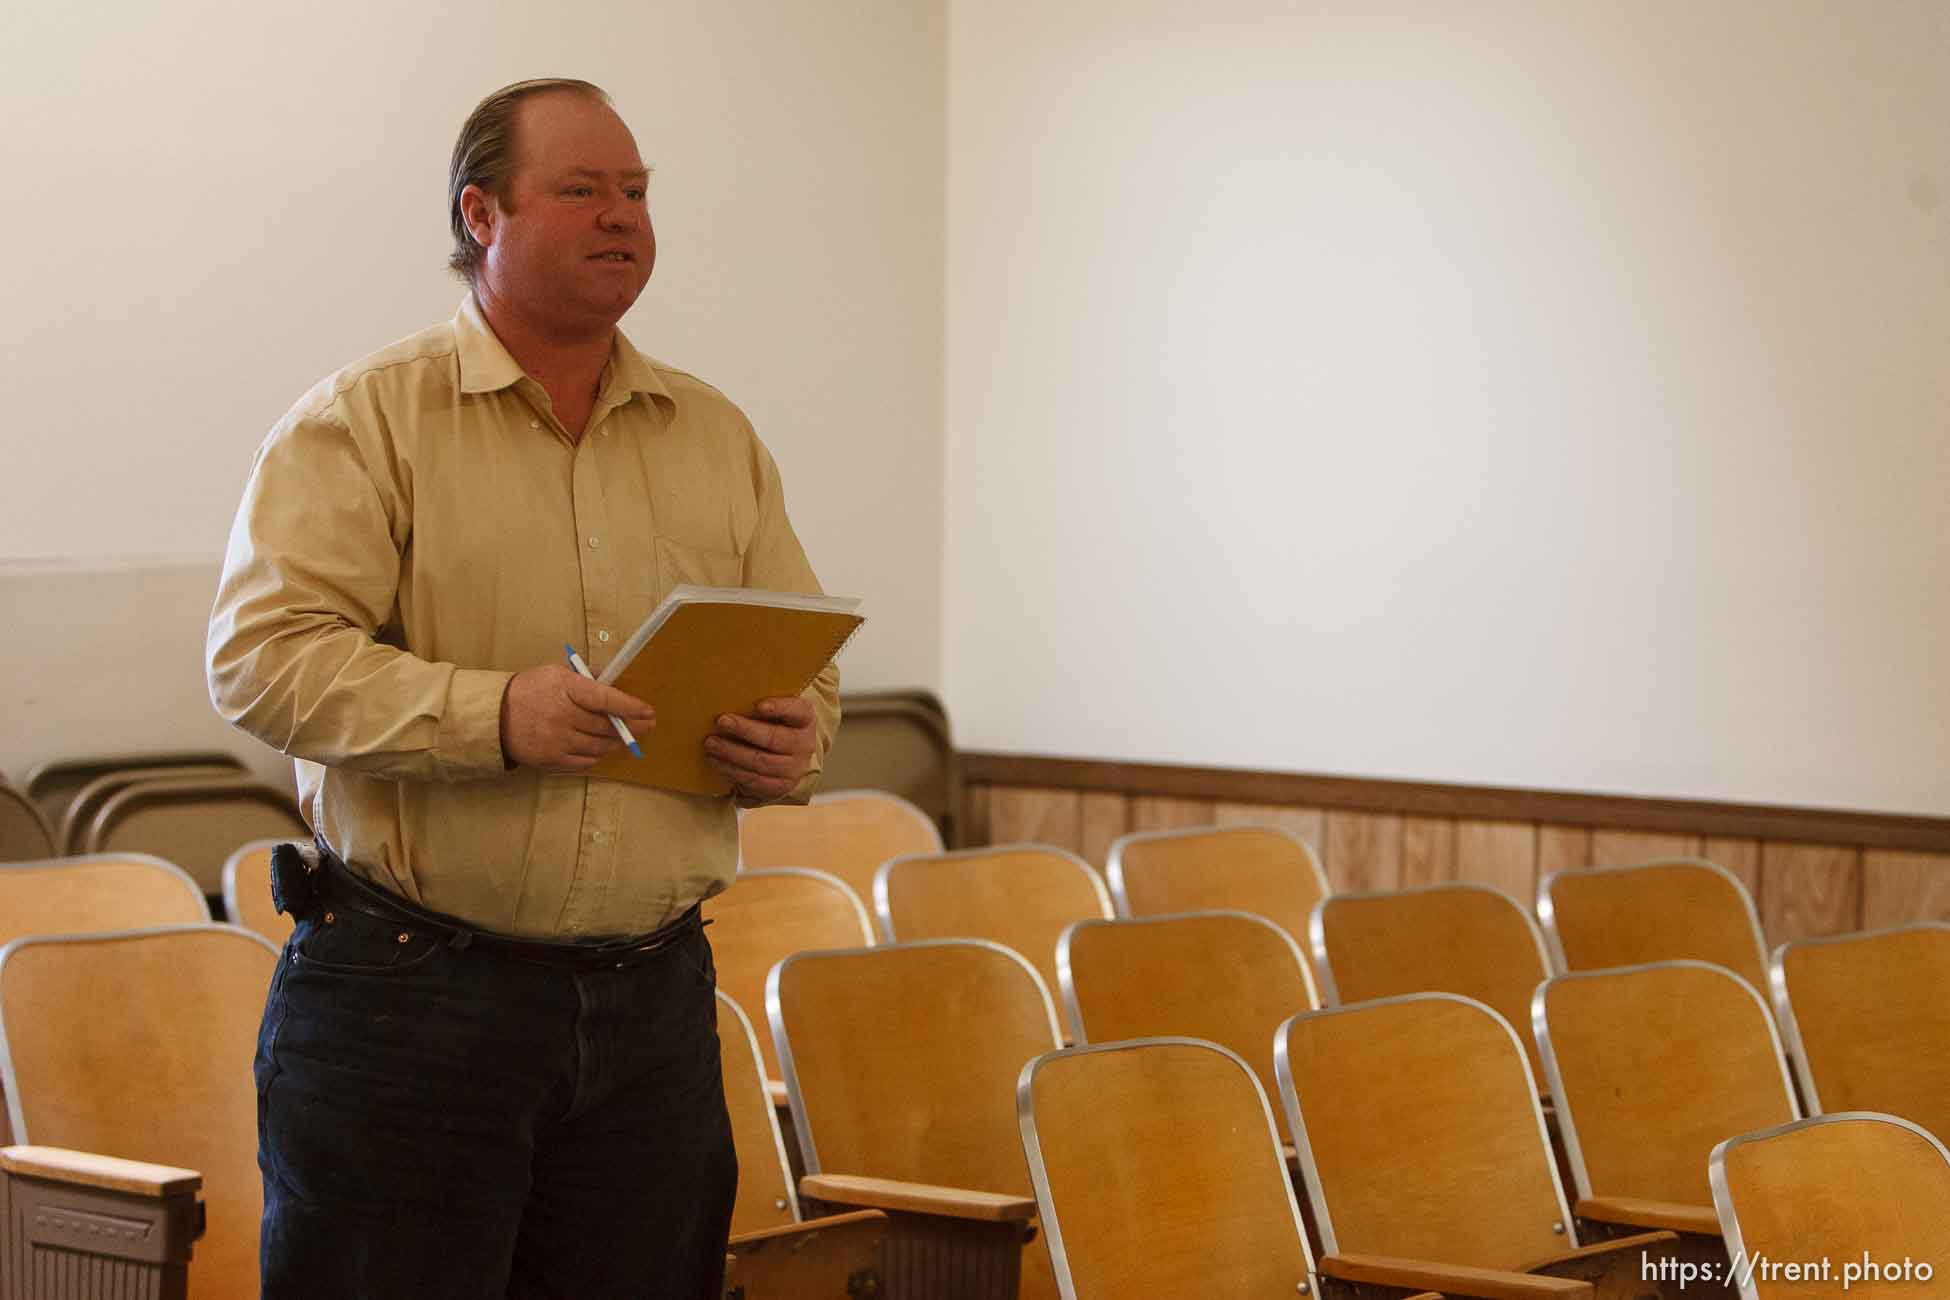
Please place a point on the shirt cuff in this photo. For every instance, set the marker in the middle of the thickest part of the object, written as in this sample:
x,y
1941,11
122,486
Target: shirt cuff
x,y
469,740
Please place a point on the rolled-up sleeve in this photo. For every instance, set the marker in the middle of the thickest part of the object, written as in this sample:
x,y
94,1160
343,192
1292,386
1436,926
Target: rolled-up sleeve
x,y
298,653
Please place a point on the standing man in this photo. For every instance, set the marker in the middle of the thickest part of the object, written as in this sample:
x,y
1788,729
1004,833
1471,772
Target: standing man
x,y
489,1064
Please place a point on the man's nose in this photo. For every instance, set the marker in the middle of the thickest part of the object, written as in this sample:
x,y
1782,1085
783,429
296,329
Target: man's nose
x,y
619,217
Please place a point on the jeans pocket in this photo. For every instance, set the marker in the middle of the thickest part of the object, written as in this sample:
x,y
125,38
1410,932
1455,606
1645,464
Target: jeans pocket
x,y
695,953
346,942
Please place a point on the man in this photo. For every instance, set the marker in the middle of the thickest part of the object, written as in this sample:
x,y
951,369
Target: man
x,y
488,1064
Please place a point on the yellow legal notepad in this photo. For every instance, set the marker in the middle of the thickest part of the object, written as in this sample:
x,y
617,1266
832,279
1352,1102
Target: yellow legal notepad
x,y
711,650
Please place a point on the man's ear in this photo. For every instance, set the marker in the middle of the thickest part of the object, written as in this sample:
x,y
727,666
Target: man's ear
x,y
479,210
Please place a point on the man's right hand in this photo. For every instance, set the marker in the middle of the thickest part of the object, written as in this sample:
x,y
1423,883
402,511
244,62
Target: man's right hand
x,y
554,719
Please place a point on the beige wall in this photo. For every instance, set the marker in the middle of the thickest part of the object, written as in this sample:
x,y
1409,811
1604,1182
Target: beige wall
x,y
1514,393
210,206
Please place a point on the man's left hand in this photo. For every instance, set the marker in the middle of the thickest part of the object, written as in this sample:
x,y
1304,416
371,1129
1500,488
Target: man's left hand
x,y
766,754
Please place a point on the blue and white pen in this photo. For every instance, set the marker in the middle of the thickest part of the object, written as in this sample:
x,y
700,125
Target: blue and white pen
x,y
575,662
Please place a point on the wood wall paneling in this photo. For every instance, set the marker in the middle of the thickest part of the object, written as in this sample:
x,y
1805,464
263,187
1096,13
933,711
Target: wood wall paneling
x,y
1310,824
1103,817
1364,852
1036,816
1809,890
1621,848
1741,857
1562,848
1164,813
1428,851
1903,888
1503,854
1874,871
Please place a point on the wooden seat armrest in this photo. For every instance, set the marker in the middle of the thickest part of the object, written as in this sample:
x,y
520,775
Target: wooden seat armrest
x,y
1452,1279
1599,1249
1637,1212
794,1229
105,1173
918,1198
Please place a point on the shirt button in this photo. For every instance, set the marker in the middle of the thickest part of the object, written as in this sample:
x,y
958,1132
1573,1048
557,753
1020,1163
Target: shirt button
x,y
594,542
596,837
603,635
534,424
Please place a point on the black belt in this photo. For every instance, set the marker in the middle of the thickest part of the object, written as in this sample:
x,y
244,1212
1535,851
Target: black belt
x,y
332,883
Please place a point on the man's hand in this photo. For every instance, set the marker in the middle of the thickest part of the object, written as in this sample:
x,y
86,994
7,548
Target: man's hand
x,y
765,755
554,719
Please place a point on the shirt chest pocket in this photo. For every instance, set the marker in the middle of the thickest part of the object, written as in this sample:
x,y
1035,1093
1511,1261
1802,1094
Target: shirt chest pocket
x,y
698,565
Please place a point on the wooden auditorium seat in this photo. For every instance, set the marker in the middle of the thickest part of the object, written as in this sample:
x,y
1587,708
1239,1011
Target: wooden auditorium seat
x,y
24,832
247,890
1682,909
1652,1067
53,785
1853,1189
1260,869
1424,1155
899,741
774,1253
846,832
1867,1020
101,891
902,1063
1226,977
79,815
1021,896
134,1046
1470,939
767,915
195,822
1158,1172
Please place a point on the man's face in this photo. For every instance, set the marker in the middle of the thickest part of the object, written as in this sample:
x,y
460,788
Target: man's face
x,y
572,245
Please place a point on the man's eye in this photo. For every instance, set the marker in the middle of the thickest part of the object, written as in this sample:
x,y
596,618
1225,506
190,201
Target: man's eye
x,y
635,194
579,191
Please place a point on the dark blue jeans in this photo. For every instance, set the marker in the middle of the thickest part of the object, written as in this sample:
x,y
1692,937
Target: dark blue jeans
x,y
438,1122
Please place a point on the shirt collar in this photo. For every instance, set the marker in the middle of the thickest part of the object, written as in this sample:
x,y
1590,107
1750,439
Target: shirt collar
x,y
486,366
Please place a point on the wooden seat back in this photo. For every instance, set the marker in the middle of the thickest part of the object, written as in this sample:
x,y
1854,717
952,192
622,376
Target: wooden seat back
x,y
1226,977
848,833
767,915
247,891
1419,1133
79,816
1867,1020
1264,870
1651,1068
138,1045
1851,1188
1021,896
1683,909
24,833
766,1198
1158,1172
103,891
899,741
196,822
53,785
1470,939
901,1060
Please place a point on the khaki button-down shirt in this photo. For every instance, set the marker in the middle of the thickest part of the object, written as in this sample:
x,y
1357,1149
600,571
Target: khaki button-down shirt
x,y
417,529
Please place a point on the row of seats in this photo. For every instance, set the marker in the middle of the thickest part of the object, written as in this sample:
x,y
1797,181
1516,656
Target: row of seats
x,y
191,809
1194,956
920,1073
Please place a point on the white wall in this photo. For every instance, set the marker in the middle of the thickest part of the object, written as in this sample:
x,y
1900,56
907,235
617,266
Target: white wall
x,y
1518,393
210,206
